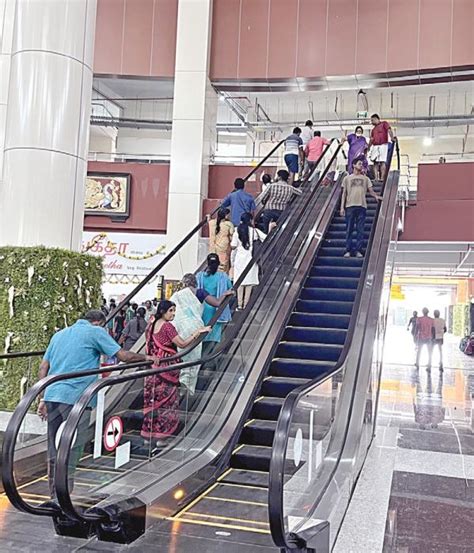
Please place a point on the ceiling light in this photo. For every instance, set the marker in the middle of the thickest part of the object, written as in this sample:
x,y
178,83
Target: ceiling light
x,y
427,141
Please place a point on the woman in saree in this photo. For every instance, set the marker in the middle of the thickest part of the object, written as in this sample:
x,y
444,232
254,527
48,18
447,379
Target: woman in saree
x,y
190,301
161,394
357,148
220,235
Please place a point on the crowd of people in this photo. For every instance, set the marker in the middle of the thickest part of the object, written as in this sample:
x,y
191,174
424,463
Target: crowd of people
x,y
428,332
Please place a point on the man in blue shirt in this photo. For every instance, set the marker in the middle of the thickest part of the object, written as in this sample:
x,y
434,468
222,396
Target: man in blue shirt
x,y
239,202
294,153
75,349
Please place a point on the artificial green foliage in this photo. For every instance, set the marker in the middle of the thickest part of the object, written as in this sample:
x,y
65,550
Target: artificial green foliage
x,y
460,319
41,291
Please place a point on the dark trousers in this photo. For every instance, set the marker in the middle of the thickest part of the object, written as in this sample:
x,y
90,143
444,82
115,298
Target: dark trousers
x,y
57,414
355,220
268,216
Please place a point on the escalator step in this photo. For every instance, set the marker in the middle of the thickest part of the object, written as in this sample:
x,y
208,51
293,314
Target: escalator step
x,y
341,235
314,335
336,272
334,307
340,243
258,432
328,294
252,457
301,368
246,477
279,386
319,320
316,352
341,261
333,252
267,408
333,281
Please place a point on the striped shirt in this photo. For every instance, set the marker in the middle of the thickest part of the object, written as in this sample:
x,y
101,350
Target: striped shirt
x,y
293,144
278,195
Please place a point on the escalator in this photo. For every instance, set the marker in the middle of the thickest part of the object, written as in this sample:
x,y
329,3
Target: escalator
x,y
27,486
300,331
311,345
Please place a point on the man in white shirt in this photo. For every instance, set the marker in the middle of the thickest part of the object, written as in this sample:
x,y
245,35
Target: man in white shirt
x,y
439,329
307,133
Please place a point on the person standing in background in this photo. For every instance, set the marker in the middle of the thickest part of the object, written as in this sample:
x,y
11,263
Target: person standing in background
x,y
239,202
119,324
149,311
293,153
266,181
220,235
307,132
275,199
242,242
131,312
313,151
439,330
424,337
133,330
412,325
379,144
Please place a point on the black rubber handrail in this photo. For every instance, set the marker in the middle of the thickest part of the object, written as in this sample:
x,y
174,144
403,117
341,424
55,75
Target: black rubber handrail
x,y
62,464
280,441
162,263
29,398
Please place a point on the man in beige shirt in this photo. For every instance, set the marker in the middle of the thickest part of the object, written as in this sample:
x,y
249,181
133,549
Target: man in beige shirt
x,y
354,206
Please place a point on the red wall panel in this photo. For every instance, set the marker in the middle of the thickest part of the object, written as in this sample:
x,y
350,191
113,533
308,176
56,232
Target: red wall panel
x,y
282,48
435,33
463,36
222,177
253,42
312,34
445,205
148,199
109,36
163,53
225,38
138,26
371,46
403,21
341,39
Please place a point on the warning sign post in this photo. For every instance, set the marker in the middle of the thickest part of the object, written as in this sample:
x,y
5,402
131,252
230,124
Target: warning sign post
x,y
113,433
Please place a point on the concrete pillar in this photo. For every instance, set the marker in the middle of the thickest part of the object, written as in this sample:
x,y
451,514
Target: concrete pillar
x,y
194,130
7,12
47,125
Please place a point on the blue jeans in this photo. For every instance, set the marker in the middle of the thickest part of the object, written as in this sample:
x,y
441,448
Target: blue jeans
x,y
355,219
269,216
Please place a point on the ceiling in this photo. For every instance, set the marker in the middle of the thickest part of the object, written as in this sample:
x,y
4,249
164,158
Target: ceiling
x,y
432,258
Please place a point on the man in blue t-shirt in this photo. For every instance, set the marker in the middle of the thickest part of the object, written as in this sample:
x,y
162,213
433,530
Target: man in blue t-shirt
x,y
294,153
239,201
75,349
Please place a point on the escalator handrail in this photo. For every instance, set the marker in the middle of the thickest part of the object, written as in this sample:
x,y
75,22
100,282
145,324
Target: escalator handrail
x,y
25,403
162,263
62,463
282,432
20,355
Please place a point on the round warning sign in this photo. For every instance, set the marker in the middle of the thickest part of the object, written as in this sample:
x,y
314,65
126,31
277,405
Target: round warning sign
x,y
113,433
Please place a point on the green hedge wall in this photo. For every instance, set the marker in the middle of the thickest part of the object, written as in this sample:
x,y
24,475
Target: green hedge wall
x,y
41,291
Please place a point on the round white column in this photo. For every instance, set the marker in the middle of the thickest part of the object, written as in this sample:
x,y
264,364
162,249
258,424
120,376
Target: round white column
x,y
47,126
7,11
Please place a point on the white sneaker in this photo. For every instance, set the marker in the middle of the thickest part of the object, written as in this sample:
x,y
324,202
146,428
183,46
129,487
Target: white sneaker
x,y
359,255
347,254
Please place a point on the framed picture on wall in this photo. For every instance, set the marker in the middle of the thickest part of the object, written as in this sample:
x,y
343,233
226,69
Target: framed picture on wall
x,y
108,194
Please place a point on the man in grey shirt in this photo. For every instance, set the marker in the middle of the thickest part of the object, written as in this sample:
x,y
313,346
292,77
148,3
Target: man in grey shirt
x,y
133,330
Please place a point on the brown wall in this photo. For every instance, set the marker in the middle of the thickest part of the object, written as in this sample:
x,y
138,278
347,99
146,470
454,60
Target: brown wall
x,y
136,37
149,193
266,39
445,206
148,199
